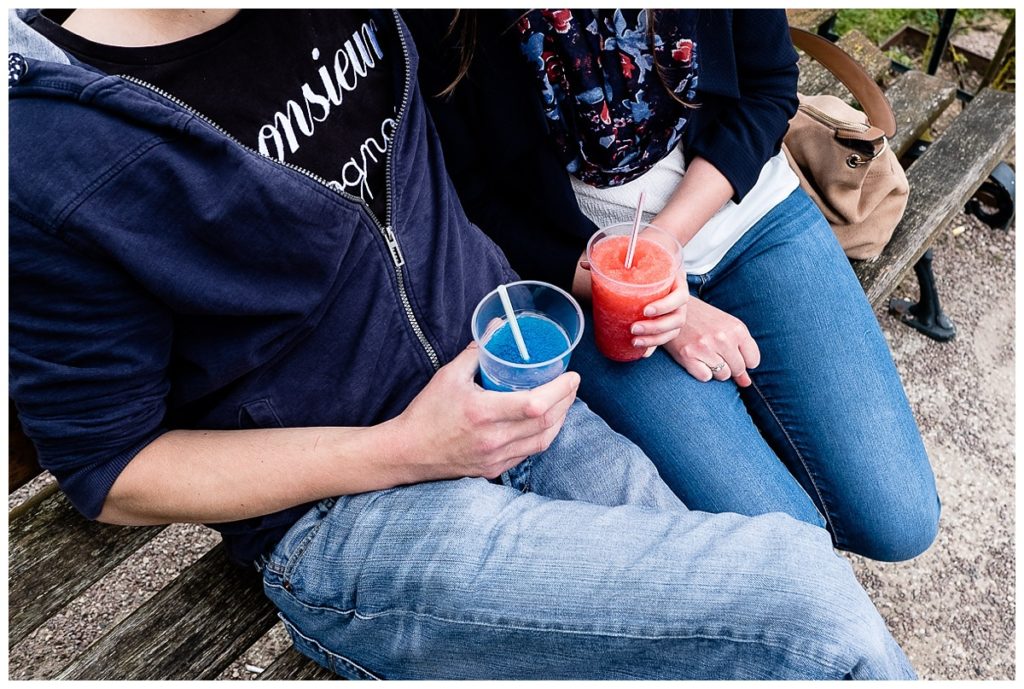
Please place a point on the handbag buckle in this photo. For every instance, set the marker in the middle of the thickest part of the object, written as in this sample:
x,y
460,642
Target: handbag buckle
x,y
855,160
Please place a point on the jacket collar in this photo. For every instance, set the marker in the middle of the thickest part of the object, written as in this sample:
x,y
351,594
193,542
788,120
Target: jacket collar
x,y
27,42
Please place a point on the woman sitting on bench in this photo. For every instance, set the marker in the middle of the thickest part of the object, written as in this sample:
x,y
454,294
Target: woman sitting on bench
x,y
779,392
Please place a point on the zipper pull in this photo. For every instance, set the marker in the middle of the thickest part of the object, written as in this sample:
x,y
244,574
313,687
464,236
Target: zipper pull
x,y
396,251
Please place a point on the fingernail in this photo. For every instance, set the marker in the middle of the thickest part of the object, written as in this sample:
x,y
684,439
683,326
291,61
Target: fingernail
x,y
649,311
637,330
637,342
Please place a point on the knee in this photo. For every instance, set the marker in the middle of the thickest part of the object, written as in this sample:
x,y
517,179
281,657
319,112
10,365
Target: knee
x,y
898,534
811,594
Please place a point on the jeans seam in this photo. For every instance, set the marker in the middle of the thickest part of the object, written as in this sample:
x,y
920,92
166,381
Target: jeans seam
x,y
529,628
803,462
293,562
355,667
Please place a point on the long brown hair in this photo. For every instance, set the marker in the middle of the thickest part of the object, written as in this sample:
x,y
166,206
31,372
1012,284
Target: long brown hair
x,y
465,23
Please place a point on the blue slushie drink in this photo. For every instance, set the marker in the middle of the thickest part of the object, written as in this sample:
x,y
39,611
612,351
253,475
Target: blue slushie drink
x,y
551,323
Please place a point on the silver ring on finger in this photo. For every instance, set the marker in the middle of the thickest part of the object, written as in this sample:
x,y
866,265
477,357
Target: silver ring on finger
x,y
714,369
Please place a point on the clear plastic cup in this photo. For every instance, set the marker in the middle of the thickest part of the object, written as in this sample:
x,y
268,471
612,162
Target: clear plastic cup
x,y
552,325
620,295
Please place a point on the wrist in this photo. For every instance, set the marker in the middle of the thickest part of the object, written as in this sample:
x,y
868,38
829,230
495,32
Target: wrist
x,y
374,457
396,450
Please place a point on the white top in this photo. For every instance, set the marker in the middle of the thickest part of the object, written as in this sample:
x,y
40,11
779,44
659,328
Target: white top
x,y
703,252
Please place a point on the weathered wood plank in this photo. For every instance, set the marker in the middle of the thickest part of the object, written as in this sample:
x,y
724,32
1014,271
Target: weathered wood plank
x,y
941,182
293,665
192,629
809,20
22,465
55,554
816,80
917,100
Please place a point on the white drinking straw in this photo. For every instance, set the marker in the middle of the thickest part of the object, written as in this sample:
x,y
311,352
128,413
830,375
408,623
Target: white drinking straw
x,y
517,334
636,228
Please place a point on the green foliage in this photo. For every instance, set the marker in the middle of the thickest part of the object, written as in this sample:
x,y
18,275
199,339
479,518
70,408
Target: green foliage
x,y
878,25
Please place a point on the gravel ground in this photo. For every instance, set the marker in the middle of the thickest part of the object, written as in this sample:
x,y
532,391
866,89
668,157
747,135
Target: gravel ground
x,y
953,608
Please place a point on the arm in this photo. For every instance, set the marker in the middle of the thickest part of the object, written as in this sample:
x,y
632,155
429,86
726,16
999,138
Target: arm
x,y
726,154
90,352
747,129
452,429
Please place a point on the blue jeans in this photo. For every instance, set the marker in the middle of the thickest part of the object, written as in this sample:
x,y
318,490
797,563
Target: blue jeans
x,y
581,564
825,432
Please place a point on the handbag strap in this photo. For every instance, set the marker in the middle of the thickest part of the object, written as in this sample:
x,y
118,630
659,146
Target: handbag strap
x,y
851,74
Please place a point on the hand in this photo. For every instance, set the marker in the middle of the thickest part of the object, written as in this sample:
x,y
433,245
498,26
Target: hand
x,y
711,337
671,308
454,428
667,316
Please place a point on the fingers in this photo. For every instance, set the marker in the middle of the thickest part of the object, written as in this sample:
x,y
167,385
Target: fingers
x,y
655,340
539,441
669,323
674,300
694,367
751,353
535,403
463,367
734,362
722,372
550,420
585,265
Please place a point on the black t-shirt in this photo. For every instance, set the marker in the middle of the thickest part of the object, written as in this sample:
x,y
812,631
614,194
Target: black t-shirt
x,y
313,88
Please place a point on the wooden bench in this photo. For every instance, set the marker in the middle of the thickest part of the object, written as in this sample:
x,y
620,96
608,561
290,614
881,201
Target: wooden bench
x,y
945,177
212,612
192,629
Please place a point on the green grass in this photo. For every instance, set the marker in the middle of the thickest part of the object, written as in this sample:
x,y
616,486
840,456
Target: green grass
x,y
878,25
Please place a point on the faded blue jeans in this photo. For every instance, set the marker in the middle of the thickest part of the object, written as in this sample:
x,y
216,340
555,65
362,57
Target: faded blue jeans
x,y
582,564
825,433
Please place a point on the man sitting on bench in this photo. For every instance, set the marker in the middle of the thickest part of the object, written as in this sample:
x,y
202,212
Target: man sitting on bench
x,y
204,328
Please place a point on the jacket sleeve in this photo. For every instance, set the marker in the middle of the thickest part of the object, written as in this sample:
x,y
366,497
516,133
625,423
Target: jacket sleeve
x,y
89,351
747,131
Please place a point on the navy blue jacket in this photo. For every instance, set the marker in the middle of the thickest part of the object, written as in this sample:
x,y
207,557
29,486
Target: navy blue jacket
x,y
164,276
511,179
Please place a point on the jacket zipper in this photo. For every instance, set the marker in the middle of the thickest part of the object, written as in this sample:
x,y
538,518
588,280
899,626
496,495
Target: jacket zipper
x,y
386,231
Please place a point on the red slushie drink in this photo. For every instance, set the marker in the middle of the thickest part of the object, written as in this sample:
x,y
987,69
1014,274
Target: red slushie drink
x,y
619,293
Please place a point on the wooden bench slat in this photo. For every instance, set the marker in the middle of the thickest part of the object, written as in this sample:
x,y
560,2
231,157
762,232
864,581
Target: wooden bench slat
x,y
293,665
917,100
816,80
55,554
192,629
941,182
22,465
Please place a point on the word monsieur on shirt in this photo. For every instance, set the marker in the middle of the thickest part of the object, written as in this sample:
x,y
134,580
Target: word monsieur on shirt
x,y
357,56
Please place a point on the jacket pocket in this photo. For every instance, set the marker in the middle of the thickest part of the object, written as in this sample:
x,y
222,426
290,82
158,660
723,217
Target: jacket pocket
x,y
258,414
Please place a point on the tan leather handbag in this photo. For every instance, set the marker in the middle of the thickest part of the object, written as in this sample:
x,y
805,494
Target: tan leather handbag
x,y
842,155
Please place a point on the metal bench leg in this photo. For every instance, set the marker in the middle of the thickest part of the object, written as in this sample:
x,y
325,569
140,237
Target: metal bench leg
x,y
926,315
997,193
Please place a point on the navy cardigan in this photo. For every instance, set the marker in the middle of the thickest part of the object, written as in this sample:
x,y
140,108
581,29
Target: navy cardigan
x,y
510,177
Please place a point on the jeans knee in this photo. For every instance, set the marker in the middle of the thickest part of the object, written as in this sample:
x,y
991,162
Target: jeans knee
x,y
898,535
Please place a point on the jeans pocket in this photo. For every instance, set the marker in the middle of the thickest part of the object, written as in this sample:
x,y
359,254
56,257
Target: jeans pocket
x,y
335,662
288,554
